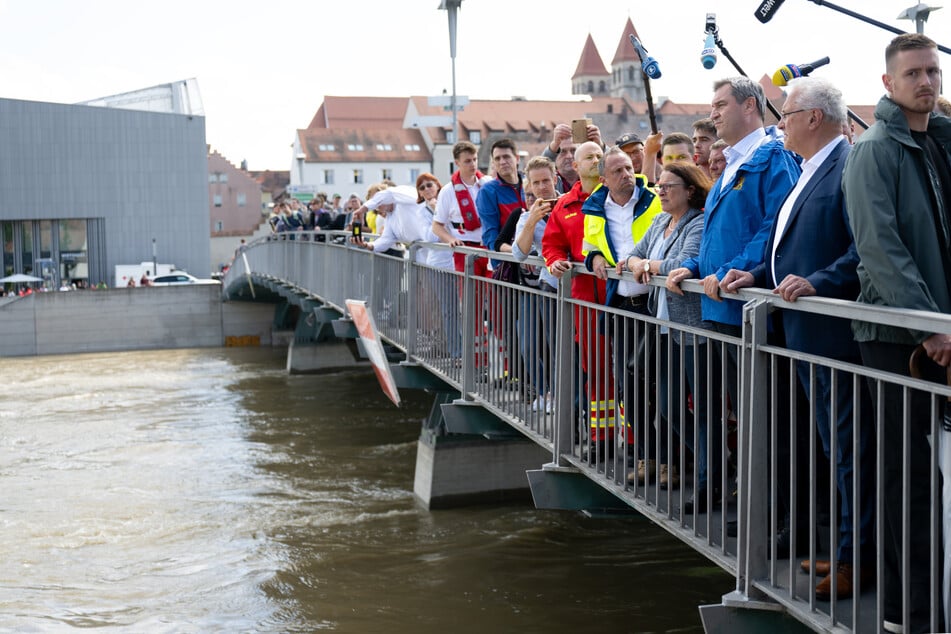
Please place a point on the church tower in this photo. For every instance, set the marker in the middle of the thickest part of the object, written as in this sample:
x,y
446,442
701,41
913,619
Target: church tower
x,y
591,77
626,76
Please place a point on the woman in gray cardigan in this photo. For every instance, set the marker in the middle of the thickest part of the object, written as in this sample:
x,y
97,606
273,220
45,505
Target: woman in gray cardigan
x,y
673,237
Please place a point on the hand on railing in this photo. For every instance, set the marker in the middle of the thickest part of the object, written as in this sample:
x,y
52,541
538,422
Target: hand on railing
x,y
675,277
734,280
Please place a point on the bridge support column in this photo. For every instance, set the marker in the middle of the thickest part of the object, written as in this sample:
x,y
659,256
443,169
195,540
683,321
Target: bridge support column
x,y
486,466
320,357
740,615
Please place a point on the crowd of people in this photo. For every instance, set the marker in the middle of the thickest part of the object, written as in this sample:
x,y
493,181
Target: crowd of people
x,y
795,208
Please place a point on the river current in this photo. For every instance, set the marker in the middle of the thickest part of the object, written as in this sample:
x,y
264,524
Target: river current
x,y
209,491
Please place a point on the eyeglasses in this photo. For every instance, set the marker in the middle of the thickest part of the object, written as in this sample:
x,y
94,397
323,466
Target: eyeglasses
x,y
662,187
785,115
426,185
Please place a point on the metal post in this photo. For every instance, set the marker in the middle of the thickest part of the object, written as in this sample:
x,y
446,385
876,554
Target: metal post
x,y
561,380
468,328
412,286
753,449
452,7
154,259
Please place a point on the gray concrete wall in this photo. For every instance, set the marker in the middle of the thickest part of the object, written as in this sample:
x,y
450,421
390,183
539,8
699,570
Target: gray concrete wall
x,y
128,319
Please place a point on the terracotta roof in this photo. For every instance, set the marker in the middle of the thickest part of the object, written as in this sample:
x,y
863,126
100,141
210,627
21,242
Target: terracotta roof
x,y
360,112
273,182
772,91
590,62
363,145
669,107
625,51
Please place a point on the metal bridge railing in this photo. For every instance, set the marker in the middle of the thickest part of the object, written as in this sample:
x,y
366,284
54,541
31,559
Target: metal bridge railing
x,y
605,389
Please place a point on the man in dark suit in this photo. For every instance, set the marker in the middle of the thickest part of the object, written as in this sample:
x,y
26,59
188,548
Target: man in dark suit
x,y
811,252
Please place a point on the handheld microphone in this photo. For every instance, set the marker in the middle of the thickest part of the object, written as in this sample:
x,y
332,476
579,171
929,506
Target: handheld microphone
x,y
648,64
787,73
766,10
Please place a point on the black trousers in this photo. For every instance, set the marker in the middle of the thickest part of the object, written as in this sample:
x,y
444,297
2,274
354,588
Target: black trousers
x,y
892,357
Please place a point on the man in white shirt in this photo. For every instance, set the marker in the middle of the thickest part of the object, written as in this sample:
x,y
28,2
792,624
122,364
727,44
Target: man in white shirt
x,y
456,221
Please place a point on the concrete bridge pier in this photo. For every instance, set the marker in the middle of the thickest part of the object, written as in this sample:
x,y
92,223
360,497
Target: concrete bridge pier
x,y
465,455
315,347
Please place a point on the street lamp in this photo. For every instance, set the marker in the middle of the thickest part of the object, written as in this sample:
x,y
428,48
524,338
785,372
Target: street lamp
x,y
452,6
919,14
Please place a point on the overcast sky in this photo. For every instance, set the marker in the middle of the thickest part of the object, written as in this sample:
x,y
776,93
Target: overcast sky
x,y
263,68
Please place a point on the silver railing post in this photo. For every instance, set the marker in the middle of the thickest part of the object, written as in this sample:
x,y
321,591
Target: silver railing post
x,y
564,360
468,328
753,449
412,310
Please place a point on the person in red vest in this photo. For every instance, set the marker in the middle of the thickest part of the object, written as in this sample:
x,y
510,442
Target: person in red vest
x,y
561,247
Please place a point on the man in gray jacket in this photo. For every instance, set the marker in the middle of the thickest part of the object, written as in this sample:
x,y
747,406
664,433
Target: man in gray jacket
x,y
897,184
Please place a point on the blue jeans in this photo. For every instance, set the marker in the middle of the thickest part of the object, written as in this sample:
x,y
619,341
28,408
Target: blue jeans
x,y
844,460
535,328
694,358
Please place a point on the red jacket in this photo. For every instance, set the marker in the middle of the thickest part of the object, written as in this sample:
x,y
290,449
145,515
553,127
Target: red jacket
x,y
562,240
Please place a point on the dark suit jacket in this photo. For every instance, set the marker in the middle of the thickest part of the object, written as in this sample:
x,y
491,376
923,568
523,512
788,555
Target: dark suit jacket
x,y
817,245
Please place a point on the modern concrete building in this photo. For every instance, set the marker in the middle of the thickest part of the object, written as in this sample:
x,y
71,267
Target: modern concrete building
x,y
83,188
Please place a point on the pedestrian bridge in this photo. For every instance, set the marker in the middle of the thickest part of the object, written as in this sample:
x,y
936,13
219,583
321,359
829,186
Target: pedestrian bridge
x,y
516,394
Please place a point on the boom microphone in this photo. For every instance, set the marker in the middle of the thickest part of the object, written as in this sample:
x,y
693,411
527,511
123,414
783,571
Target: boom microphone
x,y
787,73
708,56
766,10
648,64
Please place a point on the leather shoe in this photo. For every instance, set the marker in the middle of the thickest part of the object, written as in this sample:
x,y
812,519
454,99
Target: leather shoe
x,y
823,566
843,582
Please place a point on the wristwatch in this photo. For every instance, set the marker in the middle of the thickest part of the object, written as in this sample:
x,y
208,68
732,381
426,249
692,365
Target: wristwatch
x,y
647,266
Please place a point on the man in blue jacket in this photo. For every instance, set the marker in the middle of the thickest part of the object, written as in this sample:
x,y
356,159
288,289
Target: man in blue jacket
x,y
739,213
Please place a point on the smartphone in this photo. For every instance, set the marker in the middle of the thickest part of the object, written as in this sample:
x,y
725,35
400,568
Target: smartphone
x,y
579,130
356,230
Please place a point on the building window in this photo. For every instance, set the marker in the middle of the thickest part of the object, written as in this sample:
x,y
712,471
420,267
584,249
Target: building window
x,y
475,136
212,177
602,88
451,138
328,177
412,147
358,177
217,200
387,173
222,178
242,199
219,226
590,86
630,74
413,174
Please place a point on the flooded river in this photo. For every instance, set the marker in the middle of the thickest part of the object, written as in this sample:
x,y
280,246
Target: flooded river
x,y
209,491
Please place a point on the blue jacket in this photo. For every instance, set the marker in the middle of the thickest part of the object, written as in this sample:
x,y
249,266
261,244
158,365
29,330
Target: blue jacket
x,y
496,200
738,221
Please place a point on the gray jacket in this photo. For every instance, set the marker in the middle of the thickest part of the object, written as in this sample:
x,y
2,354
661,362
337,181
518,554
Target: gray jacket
x,y
683,243
890,197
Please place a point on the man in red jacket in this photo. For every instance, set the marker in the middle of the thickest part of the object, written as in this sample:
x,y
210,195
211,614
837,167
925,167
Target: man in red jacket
x,y
561,246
